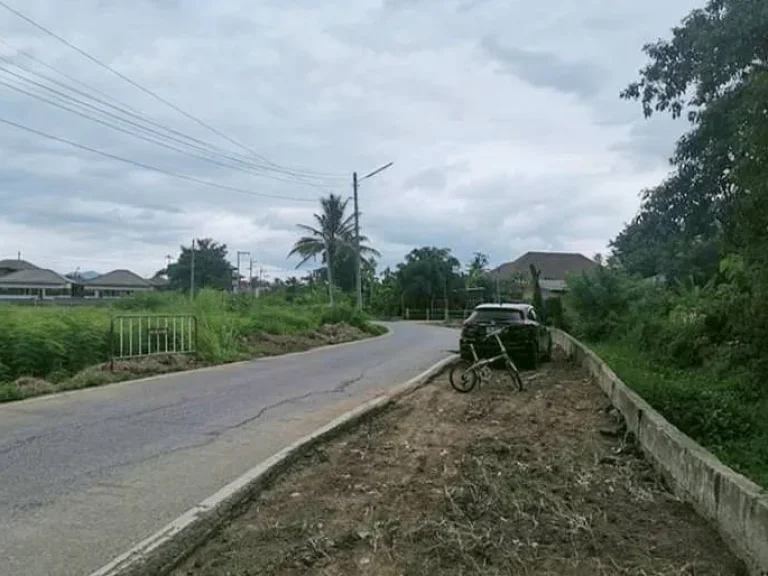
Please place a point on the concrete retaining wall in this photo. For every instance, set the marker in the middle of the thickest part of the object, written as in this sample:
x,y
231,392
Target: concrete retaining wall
x,y
734,504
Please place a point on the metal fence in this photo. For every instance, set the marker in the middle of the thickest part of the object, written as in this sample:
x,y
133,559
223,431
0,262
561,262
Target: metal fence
x,y
137,335
436,314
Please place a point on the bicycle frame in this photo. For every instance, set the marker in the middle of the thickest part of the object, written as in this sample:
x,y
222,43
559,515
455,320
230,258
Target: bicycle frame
x,y
483,366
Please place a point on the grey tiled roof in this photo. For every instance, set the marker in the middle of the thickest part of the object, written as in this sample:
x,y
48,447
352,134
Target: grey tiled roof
x,y
118,279
16,264
33,277
553,265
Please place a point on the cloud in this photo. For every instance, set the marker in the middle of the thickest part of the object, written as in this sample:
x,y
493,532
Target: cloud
x,y
502,119
546,70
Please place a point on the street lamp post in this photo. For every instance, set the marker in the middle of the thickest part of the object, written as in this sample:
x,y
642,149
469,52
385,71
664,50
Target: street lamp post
x,y
358,265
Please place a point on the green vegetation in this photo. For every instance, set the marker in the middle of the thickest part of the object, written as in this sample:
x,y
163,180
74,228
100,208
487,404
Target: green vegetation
x,y
710,407
52,346
681,309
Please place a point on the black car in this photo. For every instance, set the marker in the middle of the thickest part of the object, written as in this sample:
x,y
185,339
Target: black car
x,y
527,340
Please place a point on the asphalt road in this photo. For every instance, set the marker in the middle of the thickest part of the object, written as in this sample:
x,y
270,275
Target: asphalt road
x,y
86,475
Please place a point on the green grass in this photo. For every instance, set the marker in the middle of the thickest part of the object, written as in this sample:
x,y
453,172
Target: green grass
x,y
723,413
55,344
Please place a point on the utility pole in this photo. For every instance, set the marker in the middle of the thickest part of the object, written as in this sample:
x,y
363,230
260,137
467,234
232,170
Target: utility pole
x,y
192,273
358,270
250,277
329,266
240,253
358,266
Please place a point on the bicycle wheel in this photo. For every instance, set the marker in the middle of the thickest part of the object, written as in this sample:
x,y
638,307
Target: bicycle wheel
x,y
514,373
463,377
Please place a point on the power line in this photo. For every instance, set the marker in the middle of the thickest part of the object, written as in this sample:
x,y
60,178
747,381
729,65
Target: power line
x,y
149,166
150,92
127,110
135,134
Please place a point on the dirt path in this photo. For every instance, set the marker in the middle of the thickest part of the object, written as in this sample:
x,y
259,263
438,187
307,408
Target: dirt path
x,y
493,482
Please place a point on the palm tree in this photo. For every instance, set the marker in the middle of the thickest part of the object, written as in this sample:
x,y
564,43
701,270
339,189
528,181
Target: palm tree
x,y
332,236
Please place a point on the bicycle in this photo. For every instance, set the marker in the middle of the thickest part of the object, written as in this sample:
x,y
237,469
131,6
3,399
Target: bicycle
x,y
465,377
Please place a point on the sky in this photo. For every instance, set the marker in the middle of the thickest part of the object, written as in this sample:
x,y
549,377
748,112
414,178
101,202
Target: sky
x,y
502,117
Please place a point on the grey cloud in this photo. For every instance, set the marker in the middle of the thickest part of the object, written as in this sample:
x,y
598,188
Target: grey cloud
x,y
336,87
545,69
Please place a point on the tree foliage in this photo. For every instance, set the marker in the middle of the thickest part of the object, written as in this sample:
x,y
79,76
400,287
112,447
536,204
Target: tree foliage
x,y
704,229
212,268
333,233
428,274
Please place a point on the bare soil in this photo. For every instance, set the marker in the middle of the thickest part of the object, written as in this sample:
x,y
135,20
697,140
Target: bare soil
x,y
487,483
271,345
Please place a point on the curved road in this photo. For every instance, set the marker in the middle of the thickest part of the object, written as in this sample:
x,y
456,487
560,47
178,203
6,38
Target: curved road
x,y
86,475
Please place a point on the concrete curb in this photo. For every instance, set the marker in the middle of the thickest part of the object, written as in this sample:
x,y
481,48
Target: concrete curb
x,y
735,505
164,550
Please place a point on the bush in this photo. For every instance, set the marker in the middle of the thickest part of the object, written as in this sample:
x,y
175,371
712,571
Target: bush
x,y
599,300
347,314
554,313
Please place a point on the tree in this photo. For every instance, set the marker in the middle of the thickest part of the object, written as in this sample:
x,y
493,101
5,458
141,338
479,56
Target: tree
x,y
477,269
212,269
332,238
715,67
714,207
428,273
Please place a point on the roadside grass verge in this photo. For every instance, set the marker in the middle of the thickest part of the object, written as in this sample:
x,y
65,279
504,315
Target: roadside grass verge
x,y
723,413
49,349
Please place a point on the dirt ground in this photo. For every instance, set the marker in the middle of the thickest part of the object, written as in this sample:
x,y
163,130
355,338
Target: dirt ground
x,y
271,345
487,483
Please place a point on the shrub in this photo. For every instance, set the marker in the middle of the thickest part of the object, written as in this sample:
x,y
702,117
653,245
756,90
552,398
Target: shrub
x,y
599,299
344,313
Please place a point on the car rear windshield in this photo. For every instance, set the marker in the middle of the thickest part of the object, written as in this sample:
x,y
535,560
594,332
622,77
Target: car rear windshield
x,y
497,316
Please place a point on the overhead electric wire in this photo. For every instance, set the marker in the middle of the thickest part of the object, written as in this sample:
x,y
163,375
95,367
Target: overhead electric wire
x,y
126,109
149,166
152,93
138,135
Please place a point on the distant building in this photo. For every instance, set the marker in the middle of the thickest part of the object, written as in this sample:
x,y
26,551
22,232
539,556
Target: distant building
x,y
554,267
34,283
12,265
115,284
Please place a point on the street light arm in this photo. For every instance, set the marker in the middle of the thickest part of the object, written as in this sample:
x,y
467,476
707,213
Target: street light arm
x,y
377,171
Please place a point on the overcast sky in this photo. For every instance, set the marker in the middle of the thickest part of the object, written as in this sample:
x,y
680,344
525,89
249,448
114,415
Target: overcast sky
x,y
502,118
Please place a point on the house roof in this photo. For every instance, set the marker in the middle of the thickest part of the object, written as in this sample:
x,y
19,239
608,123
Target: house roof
x,y
34,277
118,279
16,264
553,265
159,281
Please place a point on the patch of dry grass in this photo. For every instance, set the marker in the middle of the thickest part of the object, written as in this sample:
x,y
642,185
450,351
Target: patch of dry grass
x,y
489,483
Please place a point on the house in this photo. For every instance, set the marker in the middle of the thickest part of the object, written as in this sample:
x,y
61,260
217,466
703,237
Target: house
x,y
12,265
160,282
115,284
554,268
34,283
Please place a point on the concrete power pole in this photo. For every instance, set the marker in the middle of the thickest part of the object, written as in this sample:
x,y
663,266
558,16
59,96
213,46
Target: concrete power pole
x,y
192,273
358,267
